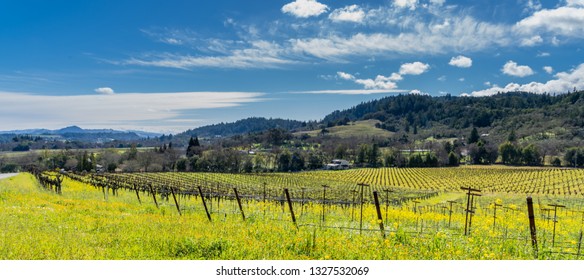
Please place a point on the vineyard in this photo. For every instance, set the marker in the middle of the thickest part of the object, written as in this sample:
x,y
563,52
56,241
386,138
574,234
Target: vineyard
x,y
477,212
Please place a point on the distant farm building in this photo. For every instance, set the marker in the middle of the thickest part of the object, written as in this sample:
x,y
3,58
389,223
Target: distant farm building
x,y
338,164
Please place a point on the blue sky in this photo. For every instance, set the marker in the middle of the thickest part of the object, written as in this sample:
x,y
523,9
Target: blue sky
x,y
168,66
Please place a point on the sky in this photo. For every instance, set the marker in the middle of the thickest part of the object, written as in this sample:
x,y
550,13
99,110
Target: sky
x,y
168,66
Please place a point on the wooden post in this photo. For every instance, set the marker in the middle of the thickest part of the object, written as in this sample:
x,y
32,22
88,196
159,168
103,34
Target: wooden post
x,y
264,192
324,187
302,202
415,205
387,191
361,216
450,212
264,204
58,187
239,203
532,228
153,195
137,194
204,203
473,209
353,205
175,201
579,244
379,217
556,206
290,206
495,215
469,200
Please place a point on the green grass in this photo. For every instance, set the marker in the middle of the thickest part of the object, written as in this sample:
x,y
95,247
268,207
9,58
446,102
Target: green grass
x,y
354,129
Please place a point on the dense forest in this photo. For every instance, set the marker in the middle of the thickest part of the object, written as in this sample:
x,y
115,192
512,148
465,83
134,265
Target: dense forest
x,y
524,113
249,125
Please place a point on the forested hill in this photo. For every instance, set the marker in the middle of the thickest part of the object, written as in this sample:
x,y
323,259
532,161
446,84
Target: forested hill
x,y
529,113
244,126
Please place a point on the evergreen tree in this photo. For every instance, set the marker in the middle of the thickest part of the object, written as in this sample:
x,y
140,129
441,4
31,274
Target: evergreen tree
x,y
314,161
296,162
474,136
133,152
284,162
512,137
453,159
194,147
362,154
373,155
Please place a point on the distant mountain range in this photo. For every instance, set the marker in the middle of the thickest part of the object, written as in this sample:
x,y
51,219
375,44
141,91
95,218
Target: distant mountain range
x,y
78,133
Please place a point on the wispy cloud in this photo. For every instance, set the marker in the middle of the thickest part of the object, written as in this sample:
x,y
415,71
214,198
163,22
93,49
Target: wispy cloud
x,y
532,41
410,4
260,54
566,21
121,110
387,31
351,13
462,34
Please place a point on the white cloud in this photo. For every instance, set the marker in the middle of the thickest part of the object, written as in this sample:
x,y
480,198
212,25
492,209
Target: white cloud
x,y
172,41
462,35
414,68
532,5
417,92
305,8
548,69
543,54
564,82
567,21
351,91
575,3
345,76
105,90
532,41
388,32
260,54
411,4
380,82
461,61
395,77
151,111
512,69
438,2
351,13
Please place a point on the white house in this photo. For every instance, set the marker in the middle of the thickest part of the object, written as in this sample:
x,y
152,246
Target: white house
x,y
338,164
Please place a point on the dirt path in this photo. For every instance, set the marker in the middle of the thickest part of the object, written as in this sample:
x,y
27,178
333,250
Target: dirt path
x,y
7,175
